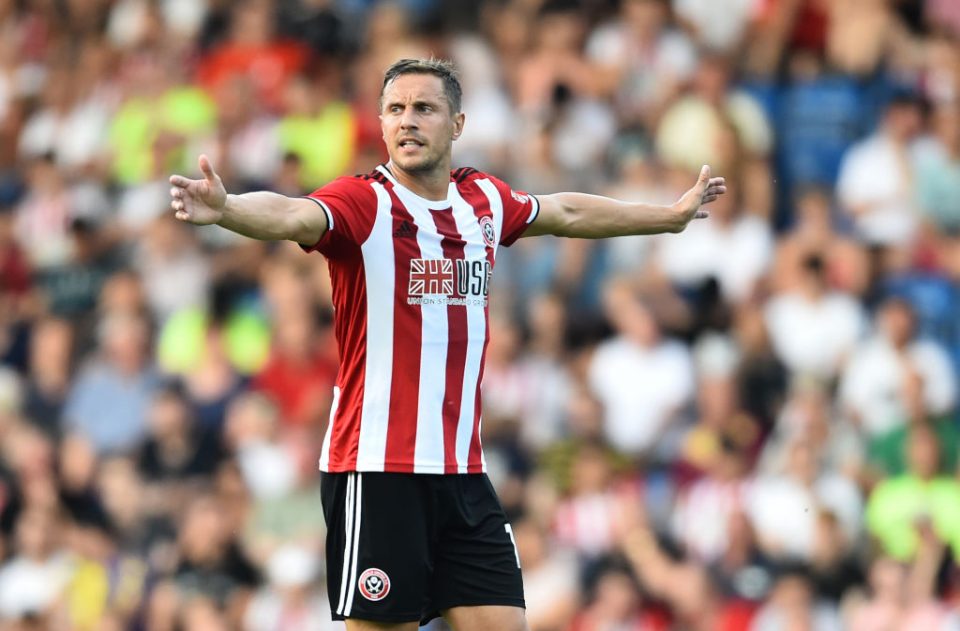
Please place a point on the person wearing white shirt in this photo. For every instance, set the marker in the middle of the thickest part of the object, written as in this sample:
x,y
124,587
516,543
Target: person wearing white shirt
x,y
734,247
875,185
874,386
641,379
813,328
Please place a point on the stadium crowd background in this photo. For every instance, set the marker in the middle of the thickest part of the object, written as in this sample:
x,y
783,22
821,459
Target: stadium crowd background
x,y
751,425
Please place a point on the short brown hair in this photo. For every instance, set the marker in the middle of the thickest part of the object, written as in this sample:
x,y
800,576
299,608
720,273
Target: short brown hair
x,y
437,67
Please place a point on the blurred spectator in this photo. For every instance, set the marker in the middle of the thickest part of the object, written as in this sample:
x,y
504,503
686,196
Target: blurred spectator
x,y
299,375
784,507
723,493
902,594
50,373
813,328
734,248
211,566
815,233
44,215
551,587
106,585
108,402
641,379
252,431
252,50
176,449
793,604
834,565
719,27
292,600
318,128
616,604
719,418
904,507
883,372
874,186
640,60
174,271
249,145
155,118
37,570
73,285
714,124
744,572
599,509
938,172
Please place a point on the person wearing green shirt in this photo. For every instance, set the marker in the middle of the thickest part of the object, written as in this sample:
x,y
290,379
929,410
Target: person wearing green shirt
x,y
901,505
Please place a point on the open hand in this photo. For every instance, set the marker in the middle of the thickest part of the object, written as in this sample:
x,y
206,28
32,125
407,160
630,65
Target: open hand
x,y
199,202
703,192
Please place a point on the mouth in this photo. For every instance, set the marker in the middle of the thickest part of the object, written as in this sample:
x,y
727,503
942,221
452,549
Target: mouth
x,y
409,143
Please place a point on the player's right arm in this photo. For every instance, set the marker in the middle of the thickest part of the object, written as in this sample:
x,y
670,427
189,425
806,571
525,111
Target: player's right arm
x,y
261,215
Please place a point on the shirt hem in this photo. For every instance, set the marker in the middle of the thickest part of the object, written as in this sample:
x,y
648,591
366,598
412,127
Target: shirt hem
x,y
379,467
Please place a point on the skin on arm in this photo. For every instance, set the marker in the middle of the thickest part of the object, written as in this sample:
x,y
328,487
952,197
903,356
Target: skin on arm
x,y
595,217
261,215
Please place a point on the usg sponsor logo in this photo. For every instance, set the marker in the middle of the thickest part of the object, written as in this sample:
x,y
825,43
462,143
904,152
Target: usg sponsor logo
x,y
454,281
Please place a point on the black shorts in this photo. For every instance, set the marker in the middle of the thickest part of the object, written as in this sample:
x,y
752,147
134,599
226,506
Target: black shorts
x,y
404,547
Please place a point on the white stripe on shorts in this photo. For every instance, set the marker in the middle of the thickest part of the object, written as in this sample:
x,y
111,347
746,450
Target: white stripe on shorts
x,y
348,532
358,500
516,552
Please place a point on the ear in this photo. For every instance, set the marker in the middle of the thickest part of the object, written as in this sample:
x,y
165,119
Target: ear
x,y
458,121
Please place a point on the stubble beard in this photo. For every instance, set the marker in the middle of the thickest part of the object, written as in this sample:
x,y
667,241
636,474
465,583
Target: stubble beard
x,y
425,165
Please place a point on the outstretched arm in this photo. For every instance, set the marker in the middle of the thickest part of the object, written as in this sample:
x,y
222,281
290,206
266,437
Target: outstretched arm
x,y
261,215
596,217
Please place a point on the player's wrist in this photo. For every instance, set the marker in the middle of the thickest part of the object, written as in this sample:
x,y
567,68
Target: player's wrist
x,y
678,216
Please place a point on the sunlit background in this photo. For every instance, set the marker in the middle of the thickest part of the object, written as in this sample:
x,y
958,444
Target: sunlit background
x,y
751,425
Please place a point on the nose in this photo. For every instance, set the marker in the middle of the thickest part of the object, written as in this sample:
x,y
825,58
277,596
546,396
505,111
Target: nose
x,y
407,119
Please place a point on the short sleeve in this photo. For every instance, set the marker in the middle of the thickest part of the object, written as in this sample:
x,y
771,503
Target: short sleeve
x,y
350,204
520,209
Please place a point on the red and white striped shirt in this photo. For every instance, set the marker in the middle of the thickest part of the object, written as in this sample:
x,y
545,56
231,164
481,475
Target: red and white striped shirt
x,y
410,281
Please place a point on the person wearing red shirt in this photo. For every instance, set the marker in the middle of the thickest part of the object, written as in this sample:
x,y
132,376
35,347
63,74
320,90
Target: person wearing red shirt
x,y
414,526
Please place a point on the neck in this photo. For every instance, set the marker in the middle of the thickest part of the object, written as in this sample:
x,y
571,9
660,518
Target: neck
x,y
433,184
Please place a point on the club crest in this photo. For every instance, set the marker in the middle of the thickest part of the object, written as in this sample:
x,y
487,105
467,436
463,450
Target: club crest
x,y
374,584
489,232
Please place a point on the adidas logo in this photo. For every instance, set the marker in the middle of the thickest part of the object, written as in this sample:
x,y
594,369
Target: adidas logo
x,y
405,231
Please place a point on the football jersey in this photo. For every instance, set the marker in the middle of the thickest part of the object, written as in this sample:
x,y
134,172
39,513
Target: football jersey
x,y
410,280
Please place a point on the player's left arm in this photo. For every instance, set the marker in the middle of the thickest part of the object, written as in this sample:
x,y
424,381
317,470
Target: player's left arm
x,y
596,217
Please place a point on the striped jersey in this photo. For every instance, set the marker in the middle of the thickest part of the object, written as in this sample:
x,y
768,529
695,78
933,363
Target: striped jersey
x,y
410,280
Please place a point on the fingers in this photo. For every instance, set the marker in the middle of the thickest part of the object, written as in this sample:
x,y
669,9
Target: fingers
x,y
702,214
180,181
206,168
704,178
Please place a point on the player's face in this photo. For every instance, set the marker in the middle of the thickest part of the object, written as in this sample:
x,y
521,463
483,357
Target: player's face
x,y
418,126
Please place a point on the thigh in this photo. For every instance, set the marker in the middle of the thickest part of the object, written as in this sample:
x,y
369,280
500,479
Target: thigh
x,y
367,625
475,561
486,618
378,546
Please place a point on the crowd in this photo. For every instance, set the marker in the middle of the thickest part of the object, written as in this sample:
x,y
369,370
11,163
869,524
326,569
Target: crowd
x,y
752,425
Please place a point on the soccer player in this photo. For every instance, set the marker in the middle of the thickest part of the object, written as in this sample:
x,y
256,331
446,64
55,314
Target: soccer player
x,y
414,527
